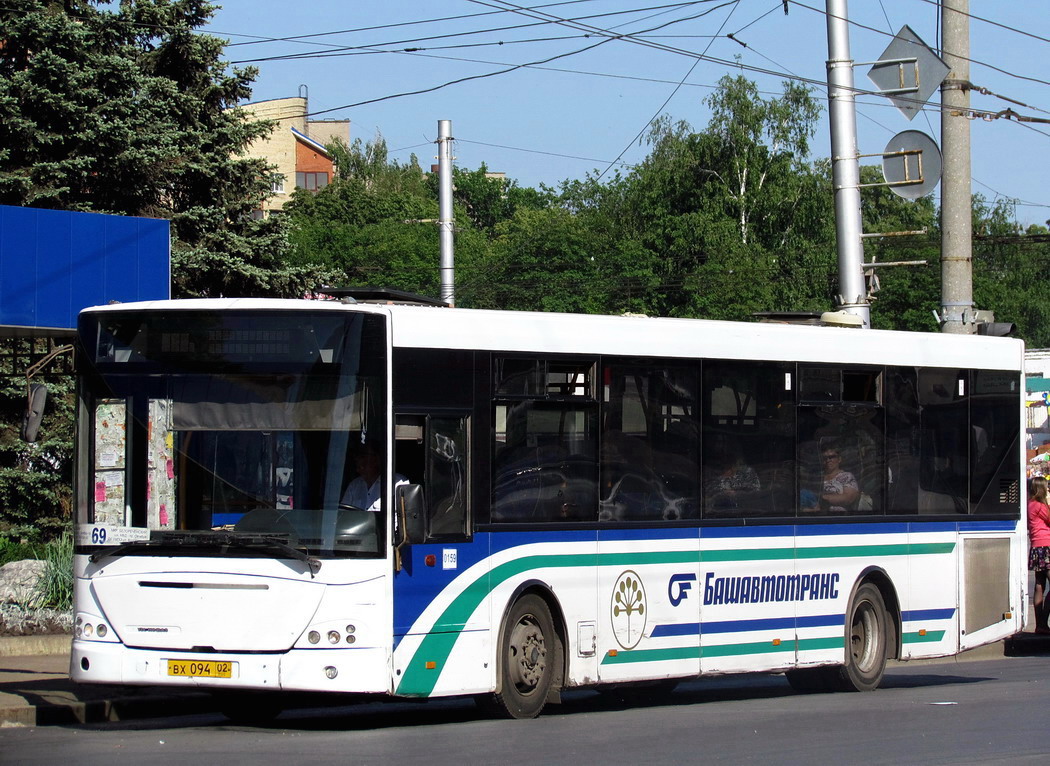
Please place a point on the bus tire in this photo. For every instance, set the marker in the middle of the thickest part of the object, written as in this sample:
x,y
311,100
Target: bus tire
x,y
866,630
528,658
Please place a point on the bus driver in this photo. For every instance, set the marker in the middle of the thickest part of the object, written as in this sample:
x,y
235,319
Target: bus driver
x,y
364,491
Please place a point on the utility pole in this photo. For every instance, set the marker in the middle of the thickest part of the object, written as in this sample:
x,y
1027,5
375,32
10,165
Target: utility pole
x,y
957,313
845,165
446,218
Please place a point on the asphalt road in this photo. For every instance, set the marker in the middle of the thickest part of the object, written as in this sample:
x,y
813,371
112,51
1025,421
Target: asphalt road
x,y
978,712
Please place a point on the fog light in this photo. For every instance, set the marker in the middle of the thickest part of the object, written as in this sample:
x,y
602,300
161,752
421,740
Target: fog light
x,y
88,630
351,639
80,631
313,636
333,636
331,672
351,628
102,630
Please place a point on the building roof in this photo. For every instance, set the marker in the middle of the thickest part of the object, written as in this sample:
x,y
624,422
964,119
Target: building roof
x,y
316,146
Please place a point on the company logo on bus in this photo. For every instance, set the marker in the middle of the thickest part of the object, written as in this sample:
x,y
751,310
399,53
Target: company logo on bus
x,y
627,609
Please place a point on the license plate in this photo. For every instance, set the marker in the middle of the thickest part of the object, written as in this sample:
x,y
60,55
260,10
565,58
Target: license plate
x,y
200,668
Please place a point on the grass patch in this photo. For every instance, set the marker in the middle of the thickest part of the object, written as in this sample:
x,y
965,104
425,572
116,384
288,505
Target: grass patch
x,y
55,589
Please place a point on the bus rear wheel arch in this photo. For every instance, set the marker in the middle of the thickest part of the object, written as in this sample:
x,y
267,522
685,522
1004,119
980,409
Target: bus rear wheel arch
x,y
871,636
868,627
530,658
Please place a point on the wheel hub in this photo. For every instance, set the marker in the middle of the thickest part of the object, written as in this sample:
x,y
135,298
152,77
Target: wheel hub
x,y
530,660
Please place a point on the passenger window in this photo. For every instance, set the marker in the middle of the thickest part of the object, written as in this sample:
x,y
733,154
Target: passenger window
x,y
650,444
841,466
545,463
945,434
749,439
545,443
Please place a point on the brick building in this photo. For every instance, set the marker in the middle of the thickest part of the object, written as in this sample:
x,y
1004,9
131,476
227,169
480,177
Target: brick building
x,y
296,147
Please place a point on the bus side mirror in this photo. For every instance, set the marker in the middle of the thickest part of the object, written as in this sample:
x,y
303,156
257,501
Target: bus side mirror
x,y
411,507
36,400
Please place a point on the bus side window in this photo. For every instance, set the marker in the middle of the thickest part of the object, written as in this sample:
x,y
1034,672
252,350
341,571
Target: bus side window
x,y
447,476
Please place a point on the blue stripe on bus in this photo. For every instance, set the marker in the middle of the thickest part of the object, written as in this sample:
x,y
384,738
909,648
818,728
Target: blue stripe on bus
x,y
727,532
648,533
814,530
746,626
928,614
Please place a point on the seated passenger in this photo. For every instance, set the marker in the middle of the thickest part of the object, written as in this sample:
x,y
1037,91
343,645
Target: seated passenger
x,y
363,492
839,492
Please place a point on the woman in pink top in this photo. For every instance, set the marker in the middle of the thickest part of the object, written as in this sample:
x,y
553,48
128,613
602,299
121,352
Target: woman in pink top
x,y
1039,543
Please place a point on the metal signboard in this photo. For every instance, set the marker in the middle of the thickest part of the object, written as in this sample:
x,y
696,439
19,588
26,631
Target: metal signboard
x,y
911,164
54,263
908,72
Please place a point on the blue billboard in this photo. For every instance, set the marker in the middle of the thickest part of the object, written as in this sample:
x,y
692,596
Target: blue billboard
x,y
53,263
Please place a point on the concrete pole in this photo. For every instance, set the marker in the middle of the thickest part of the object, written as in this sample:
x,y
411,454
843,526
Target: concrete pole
x,y
845,165
957,315
446,218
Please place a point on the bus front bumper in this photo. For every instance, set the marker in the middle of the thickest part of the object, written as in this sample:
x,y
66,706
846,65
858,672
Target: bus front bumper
x,y
349,670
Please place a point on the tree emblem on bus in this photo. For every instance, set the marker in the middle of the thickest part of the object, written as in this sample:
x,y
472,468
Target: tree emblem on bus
x,y
628,609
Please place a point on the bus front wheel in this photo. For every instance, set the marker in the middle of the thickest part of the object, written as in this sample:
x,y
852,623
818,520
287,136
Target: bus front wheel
x,y
866,624
528,658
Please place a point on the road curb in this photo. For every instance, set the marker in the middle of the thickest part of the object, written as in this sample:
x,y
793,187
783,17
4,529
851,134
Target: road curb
x,y
118,708
30,646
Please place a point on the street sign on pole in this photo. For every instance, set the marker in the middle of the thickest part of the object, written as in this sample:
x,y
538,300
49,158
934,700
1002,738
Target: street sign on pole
x,y
911,164
908,72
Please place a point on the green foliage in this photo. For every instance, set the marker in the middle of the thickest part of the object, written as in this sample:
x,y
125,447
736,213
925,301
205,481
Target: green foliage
x,y
487,201
55,587
375,224
35,479
16,550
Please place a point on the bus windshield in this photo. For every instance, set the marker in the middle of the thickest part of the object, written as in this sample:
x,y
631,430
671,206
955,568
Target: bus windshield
x,y
245,422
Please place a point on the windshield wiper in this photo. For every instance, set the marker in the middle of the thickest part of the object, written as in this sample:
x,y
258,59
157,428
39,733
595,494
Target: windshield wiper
x,y
169,540
272,543
124,548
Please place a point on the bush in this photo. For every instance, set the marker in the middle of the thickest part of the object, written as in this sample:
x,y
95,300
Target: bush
x,y
11,550
55,589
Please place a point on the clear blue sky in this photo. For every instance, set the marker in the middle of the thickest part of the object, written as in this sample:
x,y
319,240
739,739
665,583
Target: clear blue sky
x,y
577,113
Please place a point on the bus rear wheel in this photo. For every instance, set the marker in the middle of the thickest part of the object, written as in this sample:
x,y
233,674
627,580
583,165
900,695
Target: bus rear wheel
x,y
866,624
528,658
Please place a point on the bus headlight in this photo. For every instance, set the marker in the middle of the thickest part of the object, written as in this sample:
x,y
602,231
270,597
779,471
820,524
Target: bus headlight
x,y
91,628
331,633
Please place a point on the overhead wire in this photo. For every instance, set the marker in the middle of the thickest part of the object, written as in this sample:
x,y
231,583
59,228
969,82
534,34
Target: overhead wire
x,y
466,33
639,38
1024,32
857,24
375,28
606,37
667,100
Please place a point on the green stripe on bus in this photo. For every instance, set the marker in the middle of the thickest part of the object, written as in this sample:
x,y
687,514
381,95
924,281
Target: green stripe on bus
x,y
625,656
418,680
915,638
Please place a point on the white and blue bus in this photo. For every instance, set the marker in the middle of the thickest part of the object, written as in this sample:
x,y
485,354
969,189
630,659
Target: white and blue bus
x,y
555,501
